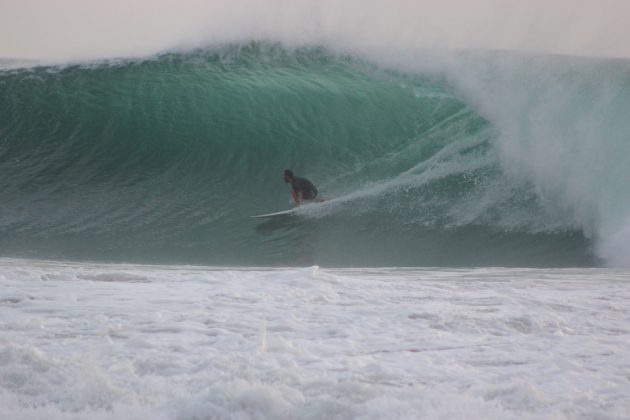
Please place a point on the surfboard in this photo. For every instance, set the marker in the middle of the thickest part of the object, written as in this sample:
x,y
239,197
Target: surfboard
x,y
290,211
278,213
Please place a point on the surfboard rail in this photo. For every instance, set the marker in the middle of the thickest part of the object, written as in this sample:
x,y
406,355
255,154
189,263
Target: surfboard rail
x,y
277,213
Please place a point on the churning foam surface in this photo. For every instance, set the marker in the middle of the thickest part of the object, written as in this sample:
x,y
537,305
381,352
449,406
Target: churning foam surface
x,y
96,341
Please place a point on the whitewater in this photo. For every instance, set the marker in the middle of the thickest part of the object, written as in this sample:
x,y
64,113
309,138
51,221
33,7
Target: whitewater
x,y
471,259
92,341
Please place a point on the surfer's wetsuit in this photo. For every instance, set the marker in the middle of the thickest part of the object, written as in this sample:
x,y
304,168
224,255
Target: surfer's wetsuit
x,y
304,186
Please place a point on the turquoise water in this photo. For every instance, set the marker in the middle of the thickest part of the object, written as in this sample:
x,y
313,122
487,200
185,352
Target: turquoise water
x,y
164,160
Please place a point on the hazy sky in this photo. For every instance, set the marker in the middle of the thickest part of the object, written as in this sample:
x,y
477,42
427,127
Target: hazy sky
x,y
78,29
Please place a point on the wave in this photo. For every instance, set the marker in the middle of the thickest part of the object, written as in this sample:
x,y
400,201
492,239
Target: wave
x,y
473,158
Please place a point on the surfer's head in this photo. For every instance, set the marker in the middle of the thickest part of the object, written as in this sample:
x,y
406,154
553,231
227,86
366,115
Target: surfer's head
x,y
288,175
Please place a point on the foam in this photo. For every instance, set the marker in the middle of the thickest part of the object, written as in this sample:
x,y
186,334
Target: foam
x,y
561,128
310,343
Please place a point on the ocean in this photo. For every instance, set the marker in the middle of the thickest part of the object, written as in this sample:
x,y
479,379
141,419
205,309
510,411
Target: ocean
x,y
495,159
470,260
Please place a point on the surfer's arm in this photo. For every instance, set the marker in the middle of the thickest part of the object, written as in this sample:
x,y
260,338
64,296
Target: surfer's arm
x,y
297,197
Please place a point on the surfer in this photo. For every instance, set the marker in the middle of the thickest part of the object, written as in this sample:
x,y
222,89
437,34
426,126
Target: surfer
x,y
303,189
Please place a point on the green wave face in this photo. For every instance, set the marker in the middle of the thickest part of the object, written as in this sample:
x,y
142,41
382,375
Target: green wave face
x,y
164,160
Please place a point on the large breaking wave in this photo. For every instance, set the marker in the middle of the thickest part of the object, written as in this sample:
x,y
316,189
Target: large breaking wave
x,y
473,158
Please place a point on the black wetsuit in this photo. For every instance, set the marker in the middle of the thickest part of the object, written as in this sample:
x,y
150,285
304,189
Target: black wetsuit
x,y
304,186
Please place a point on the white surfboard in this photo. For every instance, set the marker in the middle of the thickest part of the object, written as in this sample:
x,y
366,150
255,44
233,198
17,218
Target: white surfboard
x,y
278,213
303,208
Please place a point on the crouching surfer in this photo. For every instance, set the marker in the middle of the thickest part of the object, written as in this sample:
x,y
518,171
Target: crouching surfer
x,y
302,188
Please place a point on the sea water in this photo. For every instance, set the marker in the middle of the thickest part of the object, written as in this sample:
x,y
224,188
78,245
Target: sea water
x,y
97,341
465,159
